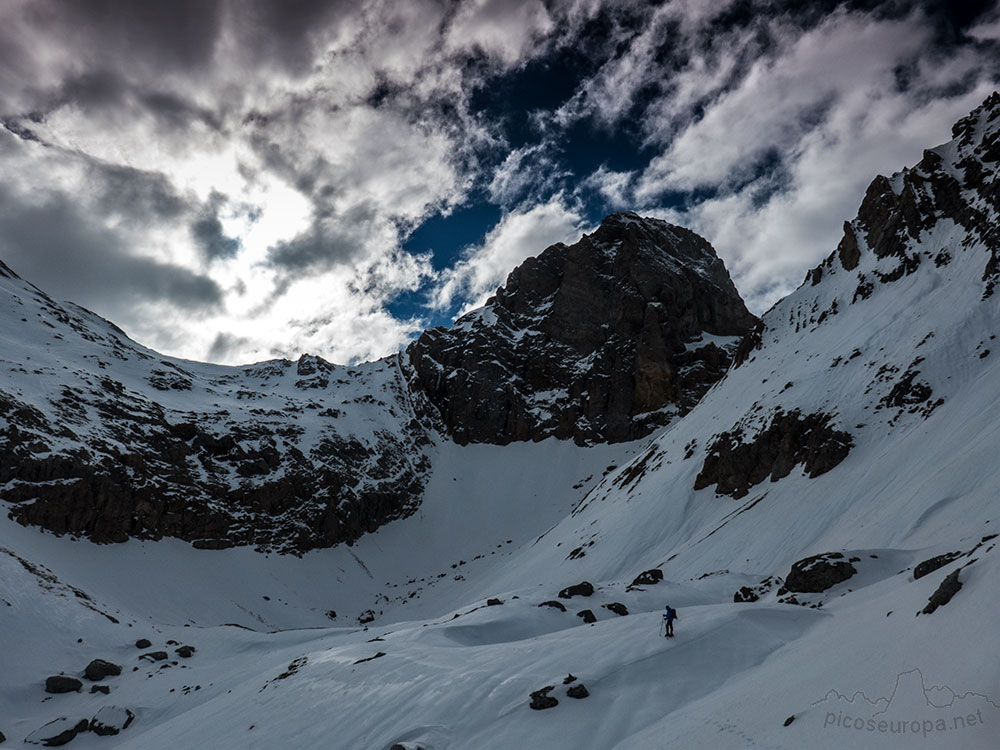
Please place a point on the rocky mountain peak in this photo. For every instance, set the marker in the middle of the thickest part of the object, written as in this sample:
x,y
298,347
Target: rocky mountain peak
x,y
956,182
601,340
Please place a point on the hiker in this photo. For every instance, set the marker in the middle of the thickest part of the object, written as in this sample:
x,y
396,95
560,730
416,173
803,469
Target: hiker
x,y
669,615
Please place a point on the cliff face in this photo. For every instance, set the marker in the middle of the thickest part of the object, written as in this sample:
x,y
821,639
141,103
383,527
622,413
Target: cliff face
x,y
603,340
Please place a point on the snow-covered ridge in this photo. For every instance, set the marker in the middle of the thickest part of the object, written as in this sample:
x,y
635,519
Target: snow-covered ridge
x,y
106,438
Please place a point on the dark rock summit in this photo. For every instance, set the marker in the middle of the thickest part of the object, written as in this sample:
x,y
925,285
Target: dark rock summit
x,y
602,340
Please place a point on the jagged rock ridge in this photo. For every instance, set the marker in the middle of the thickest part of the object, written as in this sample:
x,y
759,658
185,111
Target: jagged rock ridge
x,y
603,340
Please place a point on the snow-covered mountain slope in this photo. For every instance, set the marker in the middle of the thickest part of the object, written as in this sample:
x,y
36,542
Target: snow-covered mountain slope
x,y
104,438
835,571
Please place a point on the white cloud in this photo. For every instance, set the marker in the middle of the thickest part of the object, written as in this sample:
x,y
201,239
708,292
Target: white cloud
x,y
517,236
848,57
769,244
503,29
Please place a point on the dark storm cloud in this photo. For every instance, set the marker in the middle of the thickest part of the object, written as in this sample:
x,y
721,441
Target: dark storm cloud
x,y
331,240
208,233
285,30
80,259
135,195
184,34
223,346
175,34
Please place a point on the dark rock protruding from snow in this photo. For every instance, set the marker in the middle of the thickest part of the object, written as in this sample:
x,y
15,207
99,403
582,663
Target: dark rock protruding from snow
x,y
143,643
111,720
584,588
554,604
815,574
753,593
156,656
598,341
494,602
578,691
104,689
98,669
587,616
933,563
540,699
185,652
735,463
617,607
61,683
647,578
948,588
569,678
58,732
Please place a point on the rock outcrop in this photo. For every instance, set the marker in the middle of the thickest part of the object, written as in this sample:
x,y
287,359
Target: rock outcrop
x,y
603,340
735,463
61,683
818,573
944,593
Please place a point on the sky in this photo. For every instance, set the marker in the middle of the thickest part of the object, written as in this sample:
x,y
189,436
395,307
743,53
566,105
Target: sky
x,y
239,180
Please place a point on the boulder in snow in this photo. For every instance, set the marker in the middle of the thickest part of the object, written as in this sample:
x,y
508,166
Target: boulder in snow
x,y
578,691
554,604
98,669
185,652
586,615
584,588
617,607
111,720
143,643
57,732
156,656
648,578
61,683
540,699
818,573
